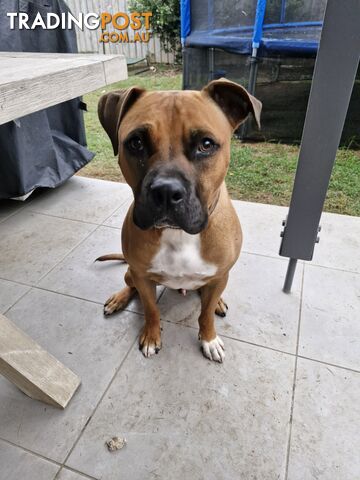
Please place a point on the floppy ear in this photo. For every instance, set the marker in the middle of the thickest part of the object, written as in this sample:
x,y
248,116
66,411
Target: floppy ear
x,y
112,108
234,101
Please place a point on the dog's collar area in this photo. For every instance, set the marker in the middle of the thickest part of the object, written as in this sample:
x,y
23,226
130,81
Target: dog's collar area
x,y
215,202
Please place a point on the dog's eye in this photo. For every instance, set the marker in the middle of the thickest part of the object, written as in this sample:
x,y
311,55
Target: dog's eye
x,y
206,145
136,144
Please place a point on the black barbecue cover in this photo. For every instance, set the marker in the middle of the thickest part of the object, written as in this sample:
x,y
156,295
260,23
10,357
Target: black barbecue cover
x,y
47,147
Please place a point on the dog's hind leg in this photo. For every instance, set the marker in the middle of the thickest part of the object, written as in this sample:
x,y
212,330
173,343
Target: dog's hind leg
x,y
221,308
120,300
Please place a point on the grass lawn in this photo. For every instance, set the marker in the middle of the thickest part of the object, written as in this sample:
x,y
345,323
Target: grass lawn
x,y
259,172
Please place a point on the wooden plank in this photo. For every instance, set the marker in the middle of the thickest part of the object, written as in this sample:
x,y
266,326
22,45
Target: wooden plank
x,y
32,369
56,78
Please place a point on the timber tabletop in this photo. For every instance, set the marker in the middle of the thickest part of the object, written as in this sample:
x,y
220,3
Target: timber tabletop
x,y
30,82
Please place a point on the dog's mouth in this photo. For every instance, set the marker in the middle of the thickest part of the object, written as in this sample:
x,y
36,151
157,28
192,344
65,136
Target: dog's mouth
x,y
168,199
166,223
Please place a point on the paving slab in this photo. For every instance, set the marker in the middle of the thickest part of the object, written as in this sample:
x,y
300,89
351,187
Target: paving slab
x,y
330,326
117,219
66,474
85,199
186,417
10,292
79,276
75,332
31,244
261,225
259,312
325,432
339,244
16,464
9,207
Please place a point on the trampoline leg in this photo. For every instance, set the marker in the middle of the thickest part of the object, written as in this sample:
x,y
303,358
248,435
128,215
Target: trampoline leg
x,y
185,79
253,74
290,275
251,89
211,53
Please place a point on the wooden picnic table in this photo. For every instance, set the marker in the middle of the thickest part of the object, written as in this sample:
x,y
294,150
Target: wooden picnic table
x,y
30,82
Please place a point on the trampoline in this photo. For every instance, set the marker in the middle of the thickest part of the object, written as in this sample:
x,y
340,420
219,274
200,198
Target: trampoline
x,y
269,46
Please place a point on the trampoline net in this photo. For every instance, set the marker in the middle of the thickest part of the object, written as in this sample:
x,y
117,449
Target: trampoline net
x,y
209,15
283,86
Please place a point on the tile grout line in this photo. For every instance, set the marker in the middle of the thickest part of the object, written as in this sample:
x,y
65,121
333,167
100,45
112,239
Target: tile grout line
x,y
247,342
63,464
294,379
78,472
113,213
12,214
349,369
51,269
47,459
304,262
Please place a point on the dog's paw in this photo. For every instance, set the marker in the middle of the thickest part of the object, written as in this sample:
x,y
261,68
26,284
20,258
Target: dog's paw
x,y
118,301
149,343
213,350
221,308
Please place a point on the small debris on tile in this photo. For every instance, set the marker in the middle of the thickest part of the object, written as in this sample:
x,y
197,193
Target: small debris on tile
x,y
115,443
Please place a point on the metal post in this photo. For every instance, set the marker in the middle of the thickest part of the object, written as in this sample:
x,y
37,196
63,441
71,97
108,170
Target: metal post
x,y
334,75
211,59
290,275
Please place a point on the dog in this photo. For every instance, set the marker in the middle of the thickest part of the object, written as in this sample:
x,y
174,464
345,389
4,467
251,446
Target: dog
x,y
181,230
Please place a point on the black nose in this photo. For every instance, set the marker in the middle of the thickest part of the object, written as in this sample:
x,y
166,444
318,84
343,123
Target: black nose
x,y
167,192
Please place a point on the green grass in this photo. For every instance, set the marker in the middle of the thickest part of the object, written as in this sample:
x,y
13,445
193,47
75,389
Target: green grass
x,y
259,172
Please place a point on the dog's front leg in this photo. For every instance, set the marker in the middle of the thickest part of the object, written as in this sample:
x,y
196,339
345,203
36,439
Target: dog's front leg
x,y
212,346
150,338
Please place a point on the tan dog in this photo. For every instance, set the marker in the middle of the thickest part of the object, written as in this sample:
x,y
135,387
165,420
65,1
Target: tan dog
x,y
181,230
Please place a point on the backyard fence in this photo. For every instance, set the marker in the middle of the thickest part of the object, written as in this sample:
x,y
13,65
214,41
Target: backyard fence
x,y
88,40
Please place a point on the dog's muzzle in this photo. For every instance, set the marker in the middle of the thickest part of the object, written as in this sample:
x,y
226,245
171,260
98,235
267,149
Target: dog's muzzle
x,y
169,200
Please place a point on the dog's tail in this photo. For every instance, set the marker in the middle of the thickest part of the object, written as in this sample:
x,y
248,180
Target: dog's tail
x,y
111,256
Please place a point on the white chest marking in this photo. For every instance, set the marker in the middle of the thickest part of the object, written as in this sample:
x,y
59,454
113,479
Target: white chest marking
x,y
179,261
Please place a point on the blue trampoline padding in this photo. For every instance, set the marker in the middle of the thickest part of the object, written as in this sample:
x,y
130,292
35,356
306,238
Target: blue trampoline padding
x,y
185,19
259,21
290,41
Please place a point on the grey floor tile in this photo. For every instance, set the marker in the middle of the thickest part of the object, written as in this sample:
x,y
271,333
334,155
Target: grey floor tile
x,y
118,218
79,276
9,207
31,244
261,225
339,245
259,312
67,474
186,417
330,326
10,292
16,464
325,433
76,333
80,198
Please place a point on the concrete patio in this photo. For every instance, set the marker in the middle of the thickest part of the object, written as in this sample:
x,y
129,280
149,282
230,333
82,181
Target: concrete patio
x,y
284,405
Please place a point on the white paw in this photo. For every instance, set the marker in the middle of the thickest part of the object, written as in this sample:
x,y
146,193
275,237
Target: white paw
x,y
149,349
213,350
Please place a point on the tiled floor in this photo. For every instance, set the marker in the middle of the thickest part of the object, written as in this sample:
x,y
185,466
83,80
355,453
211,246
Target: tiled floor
x,y
284,405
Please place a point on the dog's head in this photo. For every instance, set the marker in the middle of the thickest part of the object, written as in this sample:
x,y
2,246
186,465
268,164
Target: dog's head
x,y
174,148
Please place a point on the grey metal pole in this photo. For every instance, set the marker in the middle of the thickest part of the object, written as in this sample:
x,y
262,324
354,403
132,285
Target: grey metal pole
x,y
334,75
290,275
211,60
